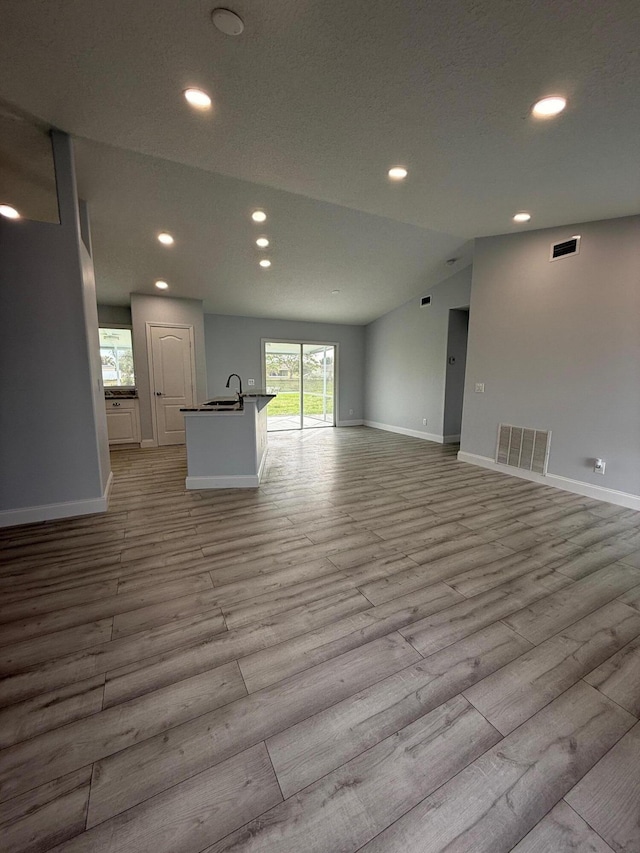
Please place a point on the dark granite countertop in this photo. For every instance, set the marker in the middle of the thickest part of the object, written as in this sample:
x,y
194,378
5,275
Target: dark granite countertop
x,y
231,404
232,407
120,394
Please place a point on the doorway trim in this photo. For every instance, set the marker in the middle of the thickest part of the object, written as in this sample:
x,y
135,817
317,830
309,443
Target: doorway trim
x,y
454,386
336,363
148,326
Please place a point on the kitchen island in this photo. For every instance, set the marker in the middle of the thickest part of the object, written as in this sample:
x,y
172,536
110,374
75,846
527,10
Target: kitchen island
x,y
227,442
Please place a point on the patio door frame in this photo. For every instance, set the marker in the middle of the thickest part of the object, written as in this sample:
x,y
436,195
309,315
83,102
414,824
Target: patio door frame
x,y
300,343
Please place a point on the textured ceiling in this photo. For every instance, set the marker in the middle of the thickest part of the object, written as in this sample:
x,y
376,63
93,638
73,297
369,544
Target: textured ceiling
x,y
315,247
316,100
27,173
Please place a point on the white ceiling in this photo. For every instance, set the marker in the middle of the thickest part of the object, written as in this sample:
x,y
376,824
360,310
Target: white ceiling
x,y
312,104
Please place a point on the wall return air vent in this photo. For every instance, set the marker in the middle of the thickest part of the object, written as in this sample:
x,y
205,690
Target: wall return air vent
x,y
426,300
565,249
520,447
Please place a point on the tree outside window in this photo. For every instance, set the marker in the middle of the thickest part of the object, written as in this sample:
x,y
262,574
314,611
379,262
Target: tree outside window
x,y
116,356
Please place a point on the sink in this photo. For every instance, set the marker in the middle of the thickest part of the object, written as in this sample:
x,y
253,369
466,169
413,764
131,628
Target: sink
x,y
225,404
222,401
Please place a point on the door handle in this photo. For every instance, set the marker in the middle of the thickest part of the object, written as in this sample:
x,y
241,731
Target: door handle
x,y
158,393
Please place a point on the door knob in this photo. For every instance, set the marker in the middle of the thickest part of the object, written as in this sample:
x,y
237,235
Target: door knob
x,y
158,393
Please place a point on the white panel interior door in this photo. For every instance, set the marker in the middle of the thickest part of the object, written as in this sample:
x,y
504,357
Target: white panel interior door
x,y
173,380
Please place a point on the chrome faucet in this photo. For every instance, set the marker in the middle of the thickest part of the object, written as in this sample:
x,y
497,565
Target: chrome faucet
x,y
239,382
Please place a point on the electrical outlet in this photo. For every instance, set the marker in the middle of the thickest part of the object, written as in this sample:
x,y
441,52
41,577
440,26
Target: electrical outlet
x,y
350,411
251,381
479,389
424,422
599,466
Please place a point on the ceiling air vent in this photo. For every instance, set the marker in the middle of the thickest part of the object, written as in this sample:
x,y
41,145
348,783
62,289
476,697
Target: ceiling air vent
x,y
426,300
564,249
523,448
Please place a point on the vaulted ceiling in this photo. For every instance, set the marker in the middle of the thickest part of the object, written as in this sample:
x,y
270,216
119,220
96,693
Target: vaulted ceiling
x,y
311,106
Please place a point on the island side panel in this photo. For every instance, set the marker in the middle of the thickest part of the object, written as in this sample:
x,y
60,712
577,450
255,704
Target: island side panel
x,y
221,449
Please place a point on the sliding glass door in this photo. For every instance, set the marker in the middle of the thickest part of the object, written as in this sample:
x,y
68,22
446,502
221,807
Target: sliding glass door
x,y
302,375
283,377
317,385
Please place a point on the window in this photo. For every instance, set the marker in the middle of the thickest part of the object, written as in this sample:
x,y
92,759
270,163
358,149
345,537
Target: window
x,y
116,356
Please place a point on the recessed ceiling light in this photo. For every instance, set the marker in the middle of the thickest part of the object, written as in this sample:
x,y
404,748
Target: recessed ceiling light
x,y
398,173
264,263
9,212
166,239
262,242
548,107
522,217
161,285
259,216
198,99
227,22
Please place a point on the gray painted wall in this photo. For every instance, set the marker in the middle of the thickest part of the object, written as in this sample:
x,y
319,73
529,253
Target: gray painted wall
x,y
456,363
163,309
406,356
117,315
234,345
558,347
52,438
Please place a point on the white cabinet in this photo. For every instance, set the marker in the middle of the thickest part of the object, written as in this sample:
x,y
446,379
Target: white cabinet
x,y
123,421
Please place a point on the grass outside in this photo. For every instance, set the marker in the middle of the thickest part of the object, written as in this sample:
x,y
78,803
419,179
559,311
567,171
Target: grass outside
x,y
288,403
292,386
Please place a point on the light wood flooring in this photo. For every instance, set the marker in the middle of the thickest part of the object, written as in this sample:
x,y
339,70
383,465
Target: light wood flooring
x,y
381,649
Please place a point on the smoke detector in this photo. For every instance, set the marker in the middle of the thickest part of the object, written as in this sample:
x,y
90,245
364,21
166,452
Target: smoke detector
x,y
227,22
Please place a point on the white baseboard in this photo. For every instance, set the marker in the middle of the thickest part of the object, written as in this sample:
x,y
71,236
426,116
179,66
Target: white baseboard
x,y
65,509
350,423
452,439
240,481
414,433
577,487
146,443
229,481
